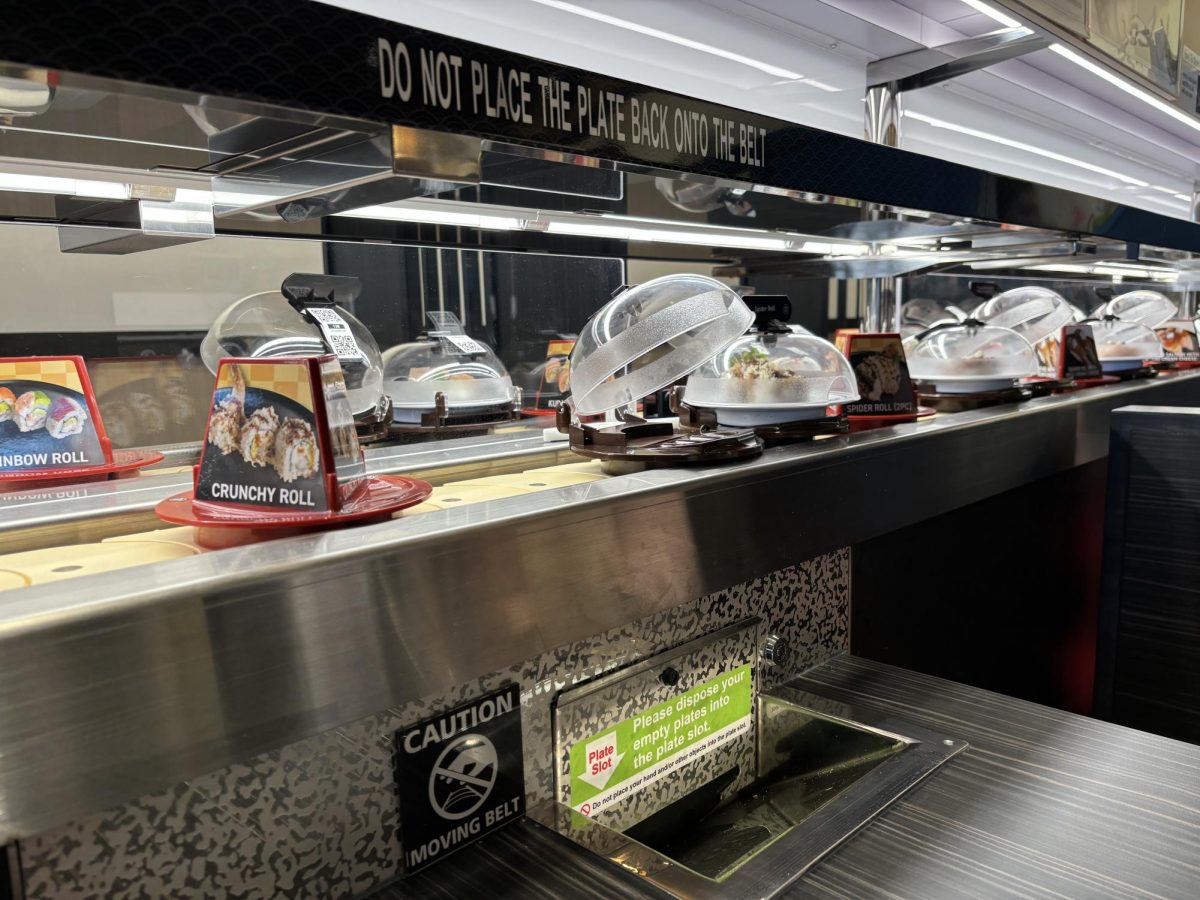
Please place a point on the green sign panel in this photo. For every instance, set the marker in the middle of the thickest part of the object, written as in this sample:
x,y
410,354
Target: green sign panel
x,y
636,752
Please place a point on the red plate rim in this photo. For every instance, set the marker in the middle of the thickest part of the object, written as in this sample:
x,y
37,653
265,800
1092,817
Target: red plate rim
x,y
123,461
386,494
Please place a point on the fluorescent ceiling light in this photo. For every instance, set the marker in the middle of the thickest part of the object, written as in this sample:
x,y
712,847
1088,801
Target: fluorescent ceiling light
x,y
1084,62
1115,269
819,85
436,217
627,228
615,227
1116,80
598,16
1172,192
1028,148
992,13
45,184
624,232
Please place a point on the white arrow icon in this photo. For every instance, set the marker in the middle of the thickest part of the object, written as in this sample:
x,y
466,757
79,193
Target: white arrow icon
x,y
601,760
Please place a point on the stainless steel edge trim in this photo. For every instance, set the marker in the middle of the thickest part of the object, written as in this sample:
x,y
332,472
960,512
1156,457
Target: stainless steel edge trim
x,y
88,509
129,682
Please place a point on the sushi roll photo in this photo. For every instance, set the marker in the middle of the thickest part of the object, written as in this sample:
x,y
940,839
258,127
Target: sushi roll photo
x,y
31,409
66,417
257,439
296,453
7,401
225,426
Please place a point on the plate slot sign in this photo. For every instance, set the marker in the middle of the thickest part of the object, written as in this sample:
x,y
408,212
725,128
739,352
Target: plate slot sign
x,y
644,748
635,741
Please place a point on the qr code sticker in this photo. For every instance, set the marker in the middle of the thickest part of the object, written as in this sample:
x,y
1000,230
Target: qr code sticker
x,y
463,344
337,333
343,345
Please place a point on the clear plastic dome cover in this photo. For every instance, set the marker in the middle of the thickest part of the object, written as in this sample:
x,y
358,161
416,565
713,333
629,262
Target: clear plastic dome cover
x,y
651,336
265,325
1149,308
1035,313
466,372
1120,341
919,314
758,373
972,356
921,311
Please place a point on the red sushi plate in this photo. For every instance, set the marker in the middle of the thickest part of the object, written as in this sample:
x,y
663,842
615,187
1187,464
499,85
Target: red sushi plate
x,y
381,496
122,461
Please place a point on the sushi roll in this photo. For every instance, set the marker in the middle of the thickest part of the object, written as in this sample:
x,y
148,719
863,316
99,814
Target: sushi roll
x,y
66,417
225,426
257,439
7,401
296,453
31,409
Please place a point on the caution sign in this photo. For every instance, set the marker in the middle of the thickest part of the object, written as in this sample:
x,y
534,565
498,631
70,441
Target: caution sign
x,y
459,775
638,751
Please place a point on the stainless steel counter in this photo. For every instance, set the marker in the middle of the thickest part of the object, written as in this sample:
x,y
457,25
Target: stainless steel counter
x,y
1042,804
127,682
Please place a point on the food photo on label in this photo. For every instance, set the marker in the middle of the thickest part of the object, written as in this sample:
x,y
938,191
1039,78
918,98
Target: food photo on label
x,y
44,425
66,417
259,440
31,409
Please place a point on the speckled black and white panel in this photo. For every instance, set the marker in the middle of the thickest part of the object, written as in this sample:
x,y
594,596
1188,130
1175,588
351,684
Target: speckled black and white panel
x,y
319,818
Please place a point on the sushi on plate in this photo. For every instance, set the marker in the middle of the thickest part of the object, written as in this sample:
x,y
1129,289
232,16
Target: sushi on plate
x,y
257,439
66,417
7,401
296,453
31,409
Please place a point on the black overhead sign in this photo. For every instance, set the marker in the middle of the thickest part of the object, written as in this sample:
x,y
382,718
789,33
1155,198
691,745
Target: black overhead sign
x,y
459,776
530,99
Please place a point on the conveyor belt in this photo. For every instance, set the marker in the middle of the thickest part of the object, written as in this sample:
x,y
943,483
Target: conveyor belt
x,y
124,551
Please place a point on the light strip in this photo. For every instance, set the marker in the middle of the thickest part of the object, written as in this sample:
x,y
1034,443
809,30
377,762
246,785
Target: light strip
x,y
635,229
615,227
1123,270
1028,148
669,236
992,13
1117,81
597,16
436,217
73,187
1084,62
